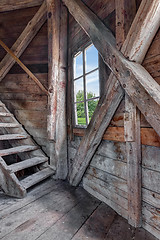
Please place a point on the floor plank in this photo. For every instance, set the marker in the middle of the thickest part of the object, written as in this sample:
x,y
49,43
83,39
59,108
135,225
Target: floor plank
x,y
97,226
54,210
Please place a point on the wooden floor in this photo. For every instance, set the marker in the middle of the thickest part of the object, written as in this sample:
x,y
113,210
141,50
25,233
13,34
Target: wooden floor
x,y
56,211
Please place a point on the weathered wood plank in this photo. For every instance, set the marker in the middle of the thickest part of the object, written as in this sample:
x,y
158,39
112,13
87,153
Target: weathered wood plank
x,y
61,122
36,211
32,76
150,158
133,150
107,190
26,163
15,150
23,41
108,178
119,209
12,136
99,35
79,213
151,216
53,11
56,127
148,135
150,197
9,182
93,229
150,179
114,167
12,5
37,177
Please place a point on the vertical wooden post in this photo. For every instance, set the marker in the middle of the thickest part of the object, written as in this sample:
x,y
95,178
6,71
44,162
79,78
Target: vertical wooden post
x,y
125,12
53,7
133,149
57,76
131,121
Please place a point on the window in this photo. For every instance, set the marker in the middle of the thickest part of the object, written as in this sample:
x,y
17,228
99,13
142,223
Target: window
x,y
86,85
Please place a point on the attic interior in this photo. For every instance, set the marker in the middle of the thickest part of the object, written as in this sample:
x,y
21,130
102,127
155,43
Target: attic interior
x,y
79,119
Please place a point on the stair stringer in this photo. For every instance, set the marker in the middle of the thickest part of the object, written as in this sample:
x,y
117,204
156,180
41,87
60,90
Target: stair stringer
x,y
9,182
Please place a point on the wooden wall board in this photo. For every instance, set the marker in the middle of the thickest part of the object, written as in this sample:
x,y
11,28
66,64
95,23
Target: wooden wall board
x,y
12,24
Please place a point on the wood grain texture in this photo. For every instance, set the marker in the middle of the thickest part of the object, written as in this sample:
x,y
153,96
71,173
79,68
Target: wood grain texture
x,y
90,149
24,39
57,65
12,5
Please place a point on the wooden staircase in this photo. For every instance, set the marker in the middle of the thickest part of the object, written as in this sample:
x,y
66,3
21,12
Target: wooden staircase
x,y
29,153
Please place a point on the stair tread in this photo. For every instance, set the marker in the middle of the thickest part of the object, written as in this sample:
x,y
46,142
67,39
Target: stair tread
x,y
27,163
5,114
9,125
13,136
24,148
37,177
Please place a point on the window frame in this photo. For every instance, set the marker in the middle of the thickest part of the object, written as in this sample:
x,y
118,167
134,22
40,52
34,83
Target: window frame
x,y
84,75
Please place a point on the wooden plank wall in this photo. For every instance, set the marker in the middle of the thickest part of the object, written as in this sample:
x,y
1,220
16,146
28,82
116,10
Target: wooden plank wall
x,y
20,94
106,177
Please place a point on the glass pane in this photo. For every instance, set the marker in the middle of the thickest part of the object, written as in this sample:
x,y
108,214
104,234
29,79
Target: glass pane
x,y
91,58
78,90
80,113
78,65
91,107
92,84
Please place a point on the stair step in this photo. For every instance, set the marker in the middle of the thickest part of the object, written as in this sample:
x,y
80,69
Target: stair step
x,y
27,163
37,177
5,114
10,125
19,149
12,136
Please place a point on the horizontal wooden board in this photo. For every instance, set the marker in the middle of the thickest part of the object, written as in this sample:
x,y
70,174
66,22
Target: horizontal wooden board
x,y
108,191
151,216
108,178
114,167
148,135
150,180
150,197
119,209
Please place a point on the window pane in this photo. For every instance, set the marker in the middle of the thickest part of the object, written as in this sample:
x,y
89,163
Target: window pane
x,y
91,107
80,114
91,58
92,84
78,65
78,90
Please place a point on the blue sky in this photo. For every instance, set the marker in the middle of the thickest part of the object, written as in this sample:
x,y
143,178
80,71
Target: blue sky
x,y
92,79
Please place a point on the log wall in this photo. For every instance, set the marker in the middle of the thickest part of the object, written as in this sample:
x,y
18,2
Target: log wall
x,y
106,176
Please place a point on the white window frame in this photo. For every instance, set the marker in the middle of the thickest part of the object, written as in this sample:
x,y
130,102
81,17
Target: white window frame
x,y
83,51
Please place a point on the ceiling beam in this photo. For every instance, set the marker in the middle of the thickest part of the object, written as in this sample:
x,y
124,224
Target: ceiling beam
x,y
6,5
137,82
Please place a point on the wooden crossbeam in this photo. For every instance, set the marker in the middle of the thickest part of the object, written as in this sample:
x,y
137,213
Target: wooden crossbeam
x,y
24,39
32,76
139,85
10,5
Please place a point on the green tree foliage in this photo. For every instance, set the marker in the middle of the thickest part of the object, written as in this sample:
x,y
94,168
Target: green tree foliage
x,y
80,106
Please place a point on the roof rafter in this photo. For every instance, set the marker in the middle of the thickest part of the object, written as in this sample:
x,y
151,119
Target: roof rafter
x,y
136,81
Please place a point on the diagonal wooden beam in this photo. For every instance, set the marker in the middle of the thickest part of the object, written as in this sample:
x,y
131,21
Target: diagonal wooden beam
x,y
137,82
10,5
23,41
32,76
